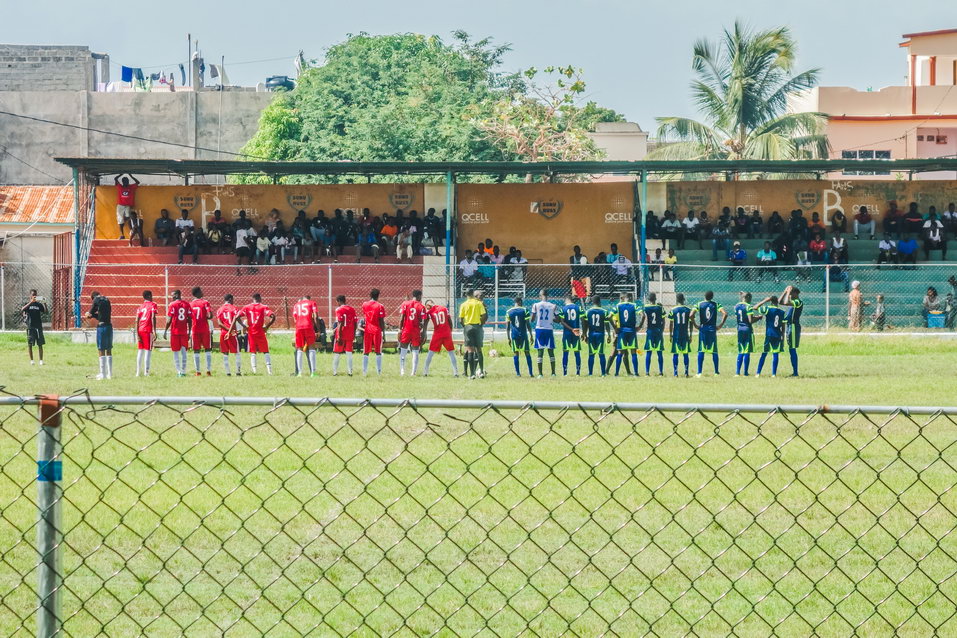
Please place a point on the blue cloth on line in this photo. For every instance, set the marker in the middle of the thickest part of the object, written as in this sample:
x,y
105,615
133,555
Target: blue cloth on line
x,y
138,74
126,74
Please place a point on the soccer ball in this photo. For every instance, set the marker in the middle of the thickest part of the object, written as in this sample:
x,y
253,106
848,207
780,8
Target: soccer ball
x,y
493,353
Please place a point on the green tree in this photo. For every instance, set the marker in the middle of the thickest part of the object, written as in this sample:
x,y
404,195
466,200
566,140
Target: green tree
x,y
741,87
403,97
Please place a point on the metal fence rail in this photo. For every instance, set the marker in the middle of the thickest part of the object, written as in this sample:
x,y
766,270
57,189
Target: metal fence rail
x,y
235,516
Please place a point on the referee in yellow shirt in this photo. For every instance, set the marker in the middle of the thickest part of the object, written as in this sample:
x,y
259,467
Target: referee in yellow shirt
x,y
473,316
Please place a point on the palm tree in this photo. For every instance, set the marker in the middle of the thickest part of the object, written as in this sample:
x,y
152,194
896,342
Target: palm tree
x,y
742,87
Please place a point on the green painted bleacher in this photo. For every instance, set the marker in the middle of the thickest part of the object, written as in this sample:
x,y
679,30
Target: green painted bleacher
x,y
860,251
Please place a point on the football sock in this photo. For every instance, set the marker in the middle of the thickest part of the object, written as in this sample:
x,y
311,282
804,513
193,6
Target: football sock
x,y
686,361
109,365
578,362
591,364
634,362
774,363
226,363
335,362
794,361
564,362
209,361
481,361
402,352
674,360
139,360
455,365
551,359
252,362
601,362
737,364
764,355
239,362
648,363
378,363
700,362
311,355
149,360
268,363
349,362
540,360
415,361
518,369
528,360
103,365
298,361
196,360
617,363
365,364
661,362
747,363
428,362
714,359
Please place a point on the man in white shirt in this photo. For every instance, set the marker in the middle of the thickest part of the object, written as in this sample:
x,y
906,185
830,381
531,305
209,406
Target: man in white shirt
x,y
887,250
543,316
468,268
671,227
518,267
691,226
182,224
622,268
242,244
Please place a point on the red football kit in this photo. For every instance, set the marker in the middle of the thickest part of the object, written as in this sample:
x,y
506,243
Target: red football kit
x,y
125,194
412,313
305,312
345,336
372,311
442,329
179,313
228,343
202,312
145,316
256,314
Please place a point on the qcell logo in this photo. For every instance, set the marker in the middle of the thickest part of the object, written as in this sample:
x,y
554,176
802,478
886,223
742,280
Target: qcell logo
x,y
617,218
474,218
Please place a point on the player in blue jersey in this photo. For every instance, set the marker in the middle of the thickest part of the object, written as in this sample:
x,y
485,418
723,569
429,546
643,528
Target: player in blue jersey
x,y
679,324
744,318
791,297
775,320
570,317
519,333
704,316
598,328
653,320
626,315
544,316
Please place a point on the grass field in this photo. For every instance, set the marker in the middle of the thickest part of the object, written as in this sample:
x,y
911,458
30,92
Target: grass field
x,y
287,521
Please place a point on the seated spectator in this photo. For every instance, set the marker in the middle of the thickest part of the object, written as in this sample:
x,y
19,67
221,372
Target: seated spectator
x,y
766,258
816,226
486,268
838,222
670,262
519,266
164,228
612,254
488,246
468,270
892,222
783,249
136,228
214,239
797,225
931,304
497,257
887,250
388,234
907,250
863,222
949,217
913,222
690,226
704,227
182,224
818,249
403,245
622,270
658,264
652,229
272,220
725,218
263,248
671,228
188,244
934,238
755,224
738,257
775,224
219,232
280,245
319,230
719,240
741,224
368,245
839,252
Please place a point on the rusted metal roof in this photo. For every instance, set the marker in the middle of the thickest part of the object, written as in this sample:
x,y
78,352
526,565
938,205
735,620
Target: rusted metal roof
x,y
36,204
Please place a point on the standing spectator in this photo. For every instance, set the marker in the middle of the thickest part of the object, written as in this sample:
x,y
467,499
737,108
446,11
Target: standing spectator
x,y
880,314
738,257
434,228
719,240
622,269
182,224
863,221
839,222
887,250
913,221
33,313
934,238
658,261
244,237
775,224
855,306
188,244
519,266
125,198
403,245
818,249
652,229
907,250
136,228
690,227
415,230
164,228
892,221
578,273
754,225
497,257
468,269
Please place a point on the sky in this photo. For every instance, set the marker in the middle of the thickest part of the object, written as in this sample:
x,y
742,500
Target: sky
x,y
636,55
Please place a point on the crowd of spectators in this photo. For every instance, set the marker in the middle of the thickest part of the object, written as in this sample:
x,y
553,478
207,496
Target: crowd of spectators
x,y
306,239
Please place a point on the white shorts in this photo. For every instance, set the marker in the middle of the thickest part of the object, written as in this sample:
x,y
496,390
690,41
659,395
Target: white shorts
x,y
122,213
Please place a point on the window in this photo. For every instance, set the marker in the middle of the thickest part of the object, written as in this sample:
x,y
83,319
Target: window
x,y
866,155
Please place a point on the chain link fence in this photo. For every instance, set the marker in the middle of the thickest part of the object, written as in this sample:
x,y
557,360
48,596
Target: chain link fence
x,y
236,517
54,284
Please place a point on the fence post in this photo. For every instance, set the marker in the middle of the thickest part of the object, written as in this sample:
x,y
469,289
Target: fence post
x,y
495,305
661,283
329,296
3,298
49,497
827,298
166,284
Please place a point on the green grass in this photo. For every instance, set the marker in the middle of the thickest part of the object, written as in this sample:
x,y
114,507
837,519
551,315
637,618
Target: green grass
x,y
287,521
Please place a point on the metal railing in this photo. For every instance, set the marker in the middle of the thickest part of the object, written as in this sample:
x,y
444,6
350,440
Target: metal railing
x,y
260,516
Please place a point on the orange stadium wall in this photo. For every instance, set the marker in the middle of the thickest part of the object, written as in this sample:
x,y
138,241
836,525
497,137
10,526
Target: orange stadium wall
x,y
256,200
546,220
821,196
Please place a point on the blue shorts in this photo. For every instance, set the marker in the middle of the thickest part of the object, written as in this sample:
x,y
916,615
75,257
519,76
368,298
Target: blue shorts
x,y
774,345
596,343
627,339
104,336
544,339
680,344
654,341
520,342
745,342
571,342
707,341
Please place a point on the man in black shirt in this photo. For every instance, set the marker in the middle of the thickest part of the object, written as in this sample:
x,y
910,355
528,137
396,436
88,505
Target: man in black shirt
x,y
33,316
102,311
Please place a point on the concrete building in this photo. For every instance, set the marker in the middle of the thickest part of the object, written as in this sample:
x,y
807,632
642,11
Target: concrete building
x,y
621,141
917,120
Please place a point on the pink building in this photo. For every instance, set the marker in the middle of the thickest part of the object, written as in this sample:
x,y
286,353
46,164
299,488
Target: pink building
x,y
918,120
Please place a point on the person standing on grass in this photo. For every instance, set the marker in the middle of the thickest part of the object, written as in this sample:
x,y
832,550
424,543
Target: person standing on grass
x,y
744,317
252,318
102,311
774,323
228,339
679,323
33,313
343,334
653,320
544,314
145,333
598,321
202,339
411,327
306,315
855,306
626,316
519,333
570,317
373,313
125,199
179,317
473,316
704,316
792,297
441,336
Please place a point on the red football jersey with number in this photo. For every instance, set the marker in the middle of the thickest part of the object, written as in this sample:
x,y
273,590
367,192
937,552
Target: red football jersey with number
x,y
442,326
256,314
346,320
372,311
304,312
144,317
202,313
412,312
225,316
179,313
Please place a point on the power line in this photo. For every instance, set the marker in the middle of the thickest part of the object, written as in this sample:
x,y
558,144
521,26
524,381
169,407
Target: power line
x,y
6,151
174,64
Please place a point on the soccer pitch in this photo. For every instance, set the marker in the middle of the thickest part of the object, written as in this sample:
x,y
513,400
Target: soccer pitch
x,y
289,521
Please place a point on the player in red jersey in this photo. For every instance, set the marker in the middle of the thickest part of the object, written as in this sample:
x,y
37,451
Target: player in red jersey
x,y
441,335
306,314
228,341
145,333
256,318
180,317
343,334
202,334
411,324
374,314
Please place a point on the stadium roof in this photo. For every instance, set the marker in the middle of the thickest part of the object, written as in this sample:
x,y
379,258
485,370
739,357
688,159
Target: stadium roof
x,y
96,166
